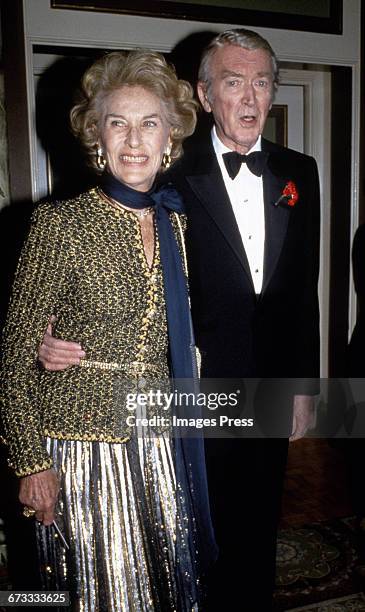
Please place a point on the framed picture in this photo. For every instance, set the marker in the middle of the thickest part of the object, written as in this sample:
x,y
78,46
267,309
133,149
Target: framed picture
x,y
312,15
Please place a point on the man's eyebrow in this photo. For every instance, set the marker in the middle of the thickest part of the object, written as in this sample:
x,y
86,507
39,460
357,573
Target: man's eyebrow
x,y
230,73
226,73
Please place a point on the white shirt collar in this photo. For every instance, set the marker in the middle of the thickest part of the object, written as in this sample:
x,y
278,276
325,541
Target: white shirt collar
x,y
221,148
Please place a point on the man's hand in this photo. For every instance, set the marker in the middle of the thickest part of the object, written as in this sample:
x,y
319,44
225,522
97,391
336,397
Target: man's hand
x,y
303,416
39,492
55,354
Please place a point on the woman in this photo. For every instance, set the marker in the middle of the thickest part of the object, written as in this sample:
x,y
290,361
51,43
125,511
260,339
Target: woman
x,y
107,264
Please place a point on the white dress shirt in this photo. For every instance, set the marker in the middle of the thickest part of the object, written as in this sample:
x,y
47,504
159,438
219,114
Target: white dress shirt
x,y
245,192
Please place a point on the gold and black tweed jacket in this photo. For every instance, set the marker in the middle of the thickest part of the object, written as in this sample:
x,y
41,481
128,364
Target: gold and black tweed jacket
x,y
84,262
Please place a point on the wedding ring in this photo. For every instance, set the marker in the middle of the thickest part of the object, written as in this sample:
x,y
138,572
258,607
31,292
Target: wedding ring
x,y
28,512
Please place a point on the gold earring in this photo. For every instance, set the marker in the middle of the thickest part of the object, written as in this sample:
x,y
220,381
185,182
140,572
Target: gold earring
x,y
100,159
166,160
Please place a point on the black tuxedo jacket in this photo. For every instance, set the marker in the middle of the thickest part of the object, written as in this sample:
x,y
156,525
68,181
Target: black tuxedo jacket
x,y
239,333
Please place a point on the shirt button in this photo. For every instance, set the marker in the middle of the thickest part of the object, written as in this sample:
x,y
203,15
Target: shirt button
x,y
249,237
256,271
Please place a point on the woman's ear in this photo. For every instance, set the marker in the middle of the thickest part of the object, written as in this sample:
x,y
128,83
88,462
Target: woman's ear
x,y
168,145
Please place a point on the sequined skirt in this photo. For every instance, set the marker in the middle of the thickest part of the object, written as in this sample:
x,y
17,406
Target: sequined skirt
x,y
121,518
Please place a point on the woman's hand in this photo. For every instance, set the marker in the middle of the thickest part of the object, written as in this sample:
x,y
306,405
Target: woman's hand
x,y
39,492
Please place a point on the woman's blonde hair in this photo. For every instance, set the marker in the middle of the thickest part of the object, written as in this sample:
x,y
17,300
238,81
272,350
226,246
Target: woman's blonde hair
x,y
147,69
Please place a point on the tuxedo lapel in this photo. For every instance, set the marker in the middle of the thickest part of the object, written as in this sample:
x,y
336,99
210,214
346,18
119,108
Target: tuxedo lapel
x,y
208,186
276,217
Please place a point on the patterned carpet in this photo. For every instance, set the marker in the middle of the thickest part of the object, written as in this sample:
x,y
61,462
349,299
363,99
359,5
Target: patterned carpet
x,y
351,603
318,568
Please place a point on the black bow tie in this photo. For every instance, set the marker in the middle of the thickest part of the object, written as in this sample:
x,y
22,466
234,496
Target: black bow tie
x,y
256,162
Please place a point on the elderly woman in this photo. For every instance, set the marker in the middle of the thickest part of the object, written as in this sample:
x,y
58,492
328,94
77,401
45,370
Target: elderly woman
x,y
119,514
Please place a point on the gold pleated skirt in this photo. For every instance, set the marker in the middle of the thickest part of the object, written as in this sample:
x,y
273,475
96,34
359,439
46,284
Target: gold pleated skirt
x,y
119,515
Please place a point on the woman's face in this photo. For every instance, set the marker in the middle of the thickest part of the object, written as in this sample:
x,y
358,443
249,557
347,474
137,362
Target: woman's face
x,y
134,135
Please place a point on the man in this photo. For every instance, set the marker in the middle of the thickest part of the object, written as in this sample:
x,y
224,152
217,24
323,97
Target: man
x,y
252,244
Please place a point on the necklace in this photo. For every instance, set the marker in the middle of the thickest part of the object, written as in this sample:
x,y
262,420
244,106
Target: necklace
x,y
144,212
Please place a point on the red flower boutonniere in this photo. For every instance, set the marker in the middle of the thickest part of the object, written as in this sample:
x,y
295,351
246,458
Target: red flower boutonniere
x,y
290,195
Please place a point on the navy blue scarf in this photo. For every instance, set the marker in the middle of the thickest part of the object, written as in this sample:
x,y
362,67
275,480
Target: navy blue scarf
x,y
189,451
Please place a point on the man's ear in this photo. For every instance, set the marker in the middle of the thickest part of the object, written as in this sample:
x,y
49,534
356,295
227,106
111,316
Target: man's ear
x,y
202,93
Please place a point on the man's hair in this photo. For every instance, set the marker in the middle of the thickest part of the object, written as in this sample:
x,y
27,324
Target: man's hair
x,y
241,38
147,69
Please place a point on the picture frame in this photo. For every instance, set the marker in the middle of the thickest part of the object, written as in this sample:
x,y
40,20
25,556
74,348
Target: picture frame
x,y
326,15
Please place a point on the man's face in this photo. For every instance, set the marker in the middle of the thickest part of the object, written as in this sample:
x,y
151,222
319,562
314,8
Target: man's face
x,y
240,94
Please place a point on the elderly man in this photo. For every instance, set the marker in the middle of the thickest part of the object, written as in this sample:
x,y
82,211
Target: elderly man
x,y
253,252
